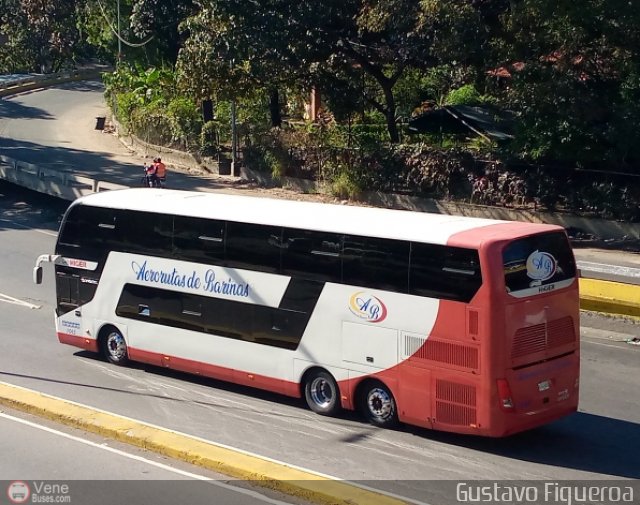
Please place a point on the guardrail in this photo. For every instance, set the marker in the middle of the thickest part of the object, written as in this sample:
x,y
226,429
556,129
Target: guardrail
x,y
31,82
61,184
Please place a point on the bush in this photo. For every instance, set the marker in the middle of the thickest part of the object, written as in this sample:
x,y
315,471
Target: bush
x,y
185,120
210,138
465,95
126,104
345,184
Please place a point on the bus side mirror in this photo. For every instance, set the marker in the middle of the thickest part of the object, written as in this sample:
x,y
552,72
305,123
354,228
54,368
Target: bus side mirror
x,y
37,275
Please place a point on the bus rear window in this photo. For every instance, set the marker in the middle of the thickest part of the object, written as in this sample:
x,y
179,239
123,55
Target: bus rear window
x,y
538,260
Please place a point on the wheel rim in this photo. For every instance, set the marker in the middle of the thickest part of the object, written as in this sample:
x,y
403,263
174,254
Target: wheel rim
x,y
321,392
380,403
116,346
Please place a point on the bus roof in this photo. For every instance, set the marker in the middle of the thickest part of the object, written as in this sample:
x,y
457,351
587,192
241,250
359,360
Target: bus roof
x,y
348,219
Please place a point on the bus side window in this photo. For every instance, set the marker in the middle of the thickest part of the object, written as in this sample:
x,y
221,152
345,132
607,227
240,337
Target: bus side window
x,y
312,255
198,239
376,263
438,271
253,247
144,232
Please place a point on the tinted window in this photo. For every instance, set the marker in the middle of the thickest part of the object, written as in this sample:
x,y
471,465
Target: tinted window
x,y
439,271
144,232
276,327
200,240
376,263
253,247
96,231
538,260
87,226
312,255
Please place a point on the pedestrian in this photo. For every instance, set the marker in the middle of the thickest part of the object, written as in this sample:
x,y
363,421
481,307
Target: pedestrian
x,y
161,172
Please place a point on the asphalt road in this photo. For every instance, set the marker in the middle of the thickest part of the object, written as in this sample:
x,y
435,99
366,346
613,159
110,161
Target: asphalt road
x,y
602,441
71,466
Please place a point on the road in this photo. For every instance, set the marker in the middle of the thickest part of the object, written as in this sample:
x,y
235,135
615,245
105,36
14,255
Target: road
x,y
602,441
75,467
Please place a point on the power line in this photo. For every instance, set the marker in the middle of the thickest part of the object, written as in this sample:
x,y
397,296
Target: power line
x,y
117,33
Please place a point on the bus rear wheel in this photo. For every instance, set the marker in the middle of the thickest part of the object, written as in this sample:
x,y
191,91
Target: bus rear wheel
x,y
378,405
114,347
322,394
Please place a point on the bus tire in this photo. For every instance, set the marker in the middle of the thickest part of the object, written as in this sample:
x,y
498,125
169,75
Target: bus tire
x,y
378,405
322,393
114,346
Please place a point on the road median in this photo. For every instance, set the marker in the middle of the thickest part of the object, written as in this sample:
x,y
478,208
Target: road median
x,y
610,297
229,461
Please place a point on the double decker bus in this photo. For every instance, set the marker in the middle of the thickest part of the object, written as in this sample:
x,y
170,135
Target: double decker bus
x,y
452,323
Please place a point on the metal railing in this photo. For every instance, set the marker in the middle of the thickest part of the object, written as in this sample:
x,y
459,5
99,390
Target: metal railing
x,y
50,181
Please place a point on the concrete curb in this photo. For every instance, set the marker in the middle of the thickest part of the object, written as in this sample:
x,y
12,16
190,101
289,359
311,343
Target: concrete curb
x,y
610,297
232,462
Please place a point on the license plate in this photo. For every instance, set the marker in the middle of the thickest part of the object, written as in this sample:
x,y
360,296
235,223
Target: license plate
x,y
544,385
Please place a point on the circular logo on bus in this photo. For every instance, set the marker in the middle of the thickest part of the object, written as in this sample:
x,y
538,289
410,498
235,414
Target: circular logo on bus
x,y
366,306
541,266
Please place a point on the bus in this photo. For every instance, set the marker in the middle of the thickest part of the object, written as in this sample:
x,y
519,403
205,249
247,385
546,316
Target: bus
x,y
451,323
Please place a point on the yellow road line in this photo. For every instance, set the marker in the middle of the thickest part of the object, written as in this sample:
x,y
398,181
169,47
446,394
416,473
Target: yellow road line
x,y
260,471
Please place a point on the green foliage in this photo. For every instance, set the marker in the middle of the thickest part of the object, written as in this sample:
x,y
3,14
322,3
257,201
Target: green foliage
x,y
157,22
38,36
464,95
572,90
185,120
210,138
345,183
276,162
573,80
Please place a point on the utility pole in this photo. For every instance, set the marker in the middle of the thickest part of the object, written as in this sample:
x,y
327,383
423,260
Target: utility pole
x,y
234,136
119,41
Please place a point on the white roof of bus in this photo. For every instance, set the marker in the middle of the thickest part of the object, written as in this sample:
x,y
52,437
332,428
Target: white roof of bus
x,y
348,219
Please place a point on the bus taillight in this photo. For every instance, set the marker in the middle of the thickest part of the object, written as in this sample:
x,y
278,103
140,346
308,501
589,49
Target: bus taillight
x,y
504,395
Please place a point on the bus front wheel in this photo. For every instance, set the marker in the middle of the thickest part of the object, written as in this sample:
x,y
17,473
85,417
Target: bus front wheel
x,y
321,393
378,405
114,347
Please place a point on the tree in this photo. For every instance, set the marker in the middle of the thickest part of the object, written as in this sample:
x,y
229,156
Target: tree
x,y
41,35
578,89
159,22
235,45
235,49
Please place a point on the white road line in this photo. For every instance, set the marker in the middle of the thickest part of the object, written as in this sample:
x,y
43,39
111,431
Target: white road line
x,y
16,301
247,492
607,345
238,450
625,271
44,232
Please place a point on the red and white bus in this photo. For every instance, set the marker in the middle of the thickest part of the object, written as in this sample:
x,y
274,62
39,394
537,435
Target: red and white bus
x,y
452,323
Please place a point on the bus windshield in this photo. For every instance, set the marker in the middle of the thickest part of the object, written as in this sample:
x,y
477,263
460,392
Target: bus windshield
x,y
538,260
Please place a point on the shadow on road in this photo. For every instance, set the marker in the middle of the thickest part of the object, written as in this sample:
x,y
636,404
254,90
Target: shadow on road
x,y
20,208
16,110
99,165
585,442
